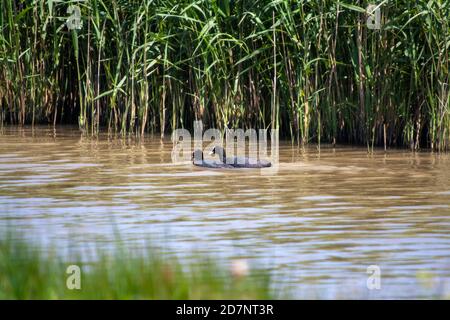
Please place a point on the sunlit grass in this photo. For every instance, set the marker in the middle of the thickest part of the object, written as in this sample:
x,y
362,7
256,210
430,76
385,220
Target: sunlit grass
x,y
28,272
311,68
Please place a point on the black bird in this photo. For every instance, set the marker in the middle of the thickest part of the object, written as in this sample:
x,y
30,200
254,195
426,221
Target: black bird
x,y
239,162
198,160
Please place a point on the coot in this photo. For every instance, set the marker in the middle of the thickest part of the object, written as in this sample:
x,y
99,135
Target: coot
x,y
239,162
198,160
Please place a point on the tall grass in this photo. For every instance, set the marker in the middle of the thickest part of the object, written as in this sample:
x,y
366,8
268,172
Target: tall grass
x,y
312,68
31,272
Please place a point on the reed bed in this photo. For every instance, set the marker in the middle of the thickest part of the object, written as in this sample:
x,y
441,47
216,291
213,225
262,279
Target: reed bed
x,y
30,271
310,68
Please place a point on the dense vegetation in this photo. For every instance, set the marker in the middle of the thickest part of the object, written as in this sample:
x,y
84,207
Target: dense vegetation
x,y
33,272
311,68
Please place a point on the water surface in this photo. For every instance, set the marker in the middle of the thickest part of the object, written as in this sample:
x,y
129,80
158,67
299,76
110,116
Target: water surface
x,y
317,224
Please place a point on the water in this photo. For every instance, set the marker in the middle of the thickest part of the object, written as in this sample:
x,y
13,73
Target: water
x,y
317,224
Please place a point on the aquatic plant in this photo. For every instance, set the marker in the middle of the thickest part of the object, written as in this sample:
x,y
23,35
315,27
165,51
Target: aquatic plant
x,y
311,68
34,272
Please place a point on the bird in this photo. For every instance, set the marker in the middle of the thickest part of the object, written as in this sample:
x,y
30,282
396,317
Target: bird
x,y
239,162
198,160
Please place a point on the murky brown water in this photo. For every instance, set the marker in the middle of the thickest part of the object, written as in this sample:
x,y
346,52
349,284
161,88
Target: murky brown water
x,y
317,224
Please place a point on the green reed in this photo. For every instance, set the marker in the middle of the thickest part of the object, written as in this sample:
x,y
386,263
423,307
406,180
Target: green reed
x,y
32,272
311,68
